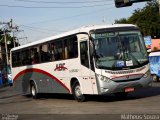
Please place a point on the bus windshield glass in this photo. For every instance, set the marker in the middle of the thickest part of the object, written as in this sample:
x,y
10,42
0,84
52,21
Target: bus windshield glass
x,y
119,49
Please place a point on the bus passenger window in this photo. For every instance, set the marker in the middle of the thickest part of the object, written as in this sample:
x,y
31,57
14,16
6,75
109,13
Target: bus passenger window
x,y
14,59
70,47
84,53
24,57
73,47
44,55
34,56
59,49
18,62
53,52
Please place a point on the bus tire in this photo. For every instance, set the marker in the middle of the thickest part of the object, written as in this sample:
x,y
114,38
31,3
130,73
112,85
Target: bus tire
x,y
33,90
121,94
155,78
77,93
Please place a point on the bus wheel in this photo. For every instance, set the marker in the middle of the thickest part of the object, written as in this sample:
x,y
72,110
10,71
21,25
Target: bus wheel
x,y
155,78
33,90
77,93
121,94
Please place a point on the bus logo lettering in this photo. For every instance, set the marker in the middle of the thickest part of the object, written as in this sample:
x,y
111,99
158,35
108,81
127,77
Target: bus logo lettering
x,y
60,67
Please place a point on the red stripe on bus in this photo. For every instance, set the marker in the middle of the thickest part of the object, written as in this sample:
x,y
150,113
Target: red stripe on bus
x,y
43,72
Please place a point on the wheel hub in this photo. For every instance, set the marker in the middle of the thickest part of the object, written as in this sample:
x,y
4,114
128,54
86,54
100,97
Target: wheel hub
x,y
33,91
78,91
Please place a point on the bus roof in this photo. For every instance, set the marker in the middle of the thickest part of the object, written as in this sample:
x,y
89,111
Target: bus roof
x,y
155,53
75,31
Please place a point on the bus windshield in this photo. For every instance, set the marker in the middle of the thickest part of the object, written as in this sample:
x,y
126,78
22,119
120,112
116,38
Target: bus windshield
x,y
119,49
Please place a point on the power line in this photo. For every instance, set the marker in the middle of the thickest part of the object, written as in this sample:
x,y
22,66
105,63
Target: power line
x,y
35,30
62,2
42,28
70,17
45,7
39,29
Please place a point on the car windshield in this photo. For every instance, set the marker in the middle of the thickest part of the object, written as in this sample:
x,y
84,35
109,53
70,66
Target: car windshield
x,y
119,50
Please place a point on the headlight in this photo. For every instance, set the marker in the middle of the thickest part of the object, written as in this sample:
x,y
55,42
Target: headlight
x,y
103,78
146,74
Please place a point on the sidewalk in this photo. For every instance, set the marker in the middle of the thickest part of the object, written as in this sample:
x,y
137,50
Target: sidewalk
x,y
2,86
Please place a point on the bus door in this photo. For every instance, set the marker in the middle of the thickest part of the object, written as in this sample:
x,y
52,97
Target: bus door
x,y
86,81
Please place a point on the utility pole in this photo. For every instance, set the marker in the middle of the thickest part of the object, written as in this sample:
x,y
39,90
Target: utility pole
x,y
5,39
159,5
6,48
7,29
11,26
14,29
7,61
14,40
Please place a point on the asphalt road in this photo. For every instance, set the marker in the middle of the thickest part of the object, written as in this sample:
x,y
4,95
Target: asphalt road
x,y
61,106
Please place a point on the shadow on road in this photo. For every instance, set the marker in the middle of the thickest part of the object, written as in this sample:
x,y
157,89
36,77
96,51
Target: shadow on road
x,y
15,101
138,94
9,96
1,91
53,96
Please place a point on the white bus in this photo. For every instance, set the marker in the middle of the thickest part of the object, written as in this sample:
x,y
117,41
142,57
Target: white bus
x,y
93,60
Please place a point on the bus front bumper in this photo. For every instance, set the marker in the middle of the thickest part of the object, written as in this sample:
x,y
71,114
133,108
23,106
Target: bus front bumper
x,y
115,87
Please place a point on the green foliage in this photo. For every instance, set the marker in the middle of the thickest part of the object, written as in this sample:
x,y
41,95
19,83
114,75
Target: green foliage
x,y
9,41
147,19
8,38
122,20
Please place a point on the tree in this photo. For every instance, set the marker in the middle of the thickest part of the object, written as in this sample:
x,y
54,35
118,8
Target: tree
x,y
9,40
147,19
122,20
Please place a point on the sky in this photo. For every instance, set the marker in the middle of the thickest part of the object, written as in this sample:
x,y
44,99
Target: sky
x,y
38,19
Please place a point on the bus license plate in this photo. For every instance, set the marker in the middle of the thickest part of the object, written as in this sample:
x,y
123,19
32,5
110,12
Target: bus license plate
x,y
129,89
